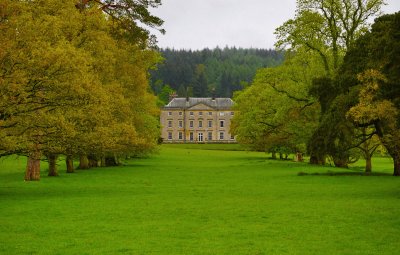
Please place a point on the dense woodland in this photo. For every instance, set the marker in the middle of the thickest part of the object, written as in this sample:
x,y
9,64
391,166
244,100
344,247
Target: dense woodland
x,y
209,72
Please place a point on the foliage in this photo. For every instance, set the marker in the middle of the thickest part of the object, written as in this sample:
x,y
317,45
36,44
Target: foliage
x,y
275,112
70,85
211,72
329,29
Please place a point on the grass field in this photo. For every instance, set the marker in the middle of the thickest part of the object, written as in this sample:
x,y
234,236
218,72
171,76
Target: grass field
x,y
200,201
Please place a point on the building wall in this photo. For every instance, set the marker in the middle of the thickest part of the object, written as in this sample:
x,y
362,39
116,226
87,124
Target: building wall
x,y
172,118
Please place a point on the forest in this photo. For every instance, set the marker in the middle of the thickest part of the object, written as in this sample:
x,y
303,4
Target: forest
x,y
209,72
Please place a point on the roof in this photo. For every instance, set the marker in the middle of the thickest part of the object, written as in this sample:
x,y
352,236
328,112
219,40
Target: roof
x,y
184,103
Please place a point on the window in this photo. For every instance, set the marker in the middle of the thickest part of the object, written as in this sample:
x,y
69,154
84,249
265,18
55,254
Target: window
x,y
191,123
210,123
200,123
191,136
169,113
180,113
221,123
170,123
232,113
180,135
232,137
201,113
200,135
210,113
169,135
221,135
191,113
209,136
221,114
180,123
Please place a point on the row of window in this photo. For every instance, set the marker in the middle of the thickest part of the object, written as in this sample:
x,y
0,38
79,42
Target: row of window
x,y
199,136
201,113
191,124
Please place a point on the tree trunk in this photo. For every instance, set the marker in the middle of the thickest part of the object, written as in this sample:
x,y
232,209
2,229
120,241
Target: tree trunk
x,y
93,161
111,161
70,164
273,155
33,168
280,156
83,162
52,164
343,163
396,167
299,157
317,160
103,162
368,164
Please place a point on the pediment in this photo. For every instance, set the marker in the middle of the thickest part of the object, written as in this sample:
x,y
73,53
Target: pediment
x,y
201,106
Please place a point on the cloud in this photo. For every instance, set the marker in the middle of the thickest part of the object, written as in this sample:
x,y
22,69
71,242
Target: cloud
x,y
197,24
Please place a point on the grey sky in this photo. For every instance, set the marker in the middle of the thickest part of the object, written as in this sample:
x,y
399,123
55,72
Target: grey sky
x,y
197,24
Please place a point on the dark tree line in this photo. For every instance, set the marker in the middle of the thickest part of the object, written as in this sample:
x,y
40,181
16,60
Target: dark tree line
x,y
210,72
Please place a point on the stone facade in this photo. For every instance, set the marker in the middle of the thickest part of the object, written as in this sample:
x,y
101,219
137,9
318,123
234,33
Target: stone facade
x,y
197,120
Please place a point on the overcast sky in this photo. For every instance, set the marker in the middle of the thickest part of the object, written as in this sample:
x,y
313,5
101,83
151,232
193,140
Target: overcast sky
x,y
197,24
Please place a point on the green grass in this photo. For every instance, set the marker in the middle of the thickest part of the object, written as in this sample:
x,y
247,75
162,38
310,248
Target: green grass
x,y
187,201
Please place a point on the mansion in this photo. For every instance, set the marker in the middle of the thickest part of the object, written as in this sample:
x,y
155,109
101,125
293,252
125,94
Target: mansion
x,y
197,120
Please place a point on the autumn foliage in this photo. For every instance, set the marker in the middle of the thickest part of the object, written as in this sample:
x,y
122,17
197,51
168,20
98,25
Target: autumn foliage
x,y
74,82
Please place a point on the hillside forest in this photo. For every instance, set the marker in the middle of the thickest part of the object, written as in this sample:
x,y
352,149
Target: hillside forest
x,y
209,72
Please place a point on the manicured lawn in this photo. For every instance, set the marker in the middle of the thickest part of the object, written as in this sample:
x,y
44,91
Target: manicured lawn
x,y
195,201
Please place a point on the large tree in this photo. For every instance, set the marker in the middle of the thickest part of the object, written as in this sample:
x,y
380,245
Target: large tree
x,y
275,111
371,69
328,28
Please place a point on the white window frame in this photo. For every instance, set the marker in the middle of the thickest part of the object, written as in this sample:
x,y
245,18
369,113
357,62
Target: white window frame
x,y
191,136
180,135
191,124
169,113
170,123
200,137
180,123
209,136
210,123
200,123
169,135
221,135
221,123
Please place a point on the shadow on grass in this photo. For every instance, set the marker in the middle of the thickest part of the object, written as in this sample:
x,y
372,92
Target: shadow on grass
x,y
349,173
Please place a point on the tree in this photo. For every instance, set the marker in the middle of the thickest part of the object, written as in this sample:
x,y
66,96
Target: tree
x,y
275,112
329,29
71,85
131,17
371,68
200,86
